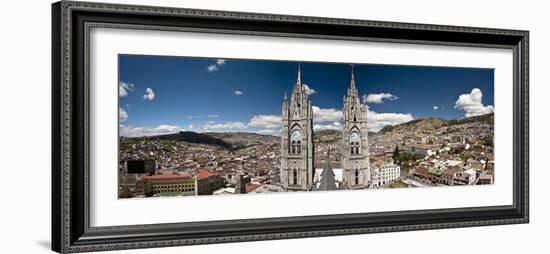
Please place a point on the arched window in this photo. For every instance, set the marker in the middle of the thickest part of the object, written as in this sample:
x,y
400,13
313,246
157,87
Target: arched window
x,y
356,176
294,177
296,142
354,142
354,147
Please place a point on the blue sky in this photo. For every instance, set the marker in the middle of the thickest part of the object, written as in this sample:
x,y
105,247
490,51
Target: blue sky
x,y
161,94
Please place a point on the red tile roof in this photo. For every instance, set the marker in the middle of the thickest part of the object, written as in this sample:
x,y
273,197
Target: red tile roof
x,y
166,177
205,173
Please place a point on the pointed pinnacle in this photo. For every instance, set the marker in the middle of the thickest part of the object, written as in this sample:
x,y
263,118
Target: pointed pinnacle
x,y
352,83
299,80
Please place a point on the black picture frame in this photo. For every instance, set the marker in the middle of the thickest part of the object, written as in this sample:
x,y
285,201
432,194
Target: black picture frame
x,y
71,22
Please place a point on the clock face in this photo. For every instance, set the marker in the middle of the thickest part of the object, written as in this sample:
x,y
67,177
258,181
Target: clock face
x,y
296,135
354,136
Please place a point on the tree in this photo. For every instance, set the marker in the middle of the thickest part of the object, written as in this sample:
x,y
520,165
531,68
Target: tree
x,y
395,155
148,189
487,141
465,156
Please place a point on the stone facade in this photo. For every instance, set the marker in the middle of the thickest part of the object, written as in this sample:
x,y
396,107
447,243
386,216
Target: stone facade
x,y
355,150
297,151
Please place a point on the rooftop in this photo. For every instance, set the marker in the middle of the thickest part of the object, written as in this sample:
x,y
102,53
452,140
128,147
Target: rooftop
x,y
167,177
327,181
205,173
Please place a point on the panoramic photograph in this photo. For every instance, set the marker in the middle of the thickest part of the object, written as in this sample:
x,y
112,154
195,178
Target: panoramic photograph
x,y
191,126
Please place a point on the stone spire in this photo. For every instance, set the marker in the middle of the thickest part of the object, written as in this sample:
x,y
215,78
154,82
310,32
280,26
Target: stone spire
x,y
299,79
353,94
352,83
355,155
297,169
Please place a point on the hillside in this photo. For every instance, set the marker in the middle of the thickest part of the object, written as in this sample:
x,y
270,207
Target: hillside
x,y
327,135
430,124
486,119
418,124
417,131
243,139
432,131
190,137
233,140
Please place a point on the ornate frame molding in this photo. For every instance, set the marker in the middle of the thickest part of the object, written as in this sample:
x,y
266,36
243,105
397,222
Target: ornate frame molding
x,y
71,22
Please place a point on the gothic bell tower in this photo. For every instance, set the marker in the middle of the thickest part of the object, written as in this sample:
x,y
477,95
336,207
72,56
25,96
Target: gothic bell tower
x,y
355,149
297,169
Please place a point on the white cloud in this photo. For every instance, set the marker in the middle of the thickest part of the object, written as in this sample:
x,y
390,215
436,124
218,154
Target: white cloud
x,y
329,126
326,115
212,68
122,115
124,88
265,121
330,119
128,131
472,105
324,119
190,127
378,98
436,108
377,121
309,90
269,132
216,66
149,94
202,116
225,126
237,92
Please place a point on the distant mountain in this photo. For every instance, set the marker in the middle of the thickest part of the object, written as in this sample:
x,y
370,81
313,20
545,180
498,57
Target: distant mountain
x,y
428,124
237,140
433,131
421,123
232,140
191,137
243,139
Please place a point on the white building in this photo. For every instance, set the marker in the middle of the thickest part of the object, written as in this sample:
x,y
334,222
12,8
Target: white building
x,y
385,174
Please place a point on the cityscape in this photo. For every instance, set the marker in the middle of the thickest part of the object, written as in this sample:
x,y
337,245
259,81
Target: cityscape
x,y
299,145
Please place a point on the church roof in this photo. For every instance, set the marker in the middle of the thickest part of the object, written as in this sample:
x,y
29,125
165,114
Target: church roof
x,y
327,181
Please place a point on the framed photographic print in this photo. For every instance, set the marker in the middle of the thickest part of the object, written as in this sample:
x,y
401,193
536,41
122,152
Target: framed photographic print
x,y
182,126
